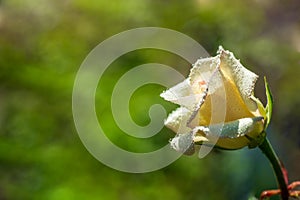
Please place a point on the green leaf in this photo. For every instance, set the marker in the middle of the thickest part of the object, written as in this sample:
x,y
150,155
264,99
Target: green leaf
x,y
269,106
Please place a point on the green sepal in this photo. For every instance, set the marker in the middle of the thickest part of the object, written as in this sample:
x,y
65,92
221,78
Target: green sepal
x,y
258,140
269,106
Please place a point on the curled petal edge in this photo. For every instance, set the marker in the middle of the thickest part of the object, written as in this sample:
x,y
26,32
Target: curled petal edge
x,y
230,135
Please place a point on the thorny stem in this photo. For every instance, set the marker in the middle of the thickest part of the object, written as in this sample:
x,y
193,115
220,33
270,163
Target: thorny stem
x,y
278,168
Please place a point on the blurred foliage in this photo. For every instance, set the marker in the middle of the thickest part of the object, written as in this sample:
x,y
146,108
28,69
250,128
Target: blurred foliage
x,y
42,44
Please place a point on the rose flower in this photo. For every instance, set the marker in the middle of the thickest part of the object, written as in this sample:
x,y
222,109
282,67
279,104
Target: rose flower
x,y
217,106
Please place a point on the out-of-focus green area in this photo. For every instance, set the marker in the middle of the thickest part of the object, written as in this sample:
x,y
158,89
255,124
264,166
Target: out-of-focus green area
x,y
42,45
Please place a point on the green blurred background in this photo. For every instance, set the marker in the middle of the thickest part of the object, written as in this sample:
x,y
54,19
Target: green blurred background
x,y
43,43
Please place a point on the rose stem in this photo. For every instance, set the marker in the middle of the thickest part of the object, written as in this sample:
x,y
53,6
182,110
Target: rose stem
x,y
278,168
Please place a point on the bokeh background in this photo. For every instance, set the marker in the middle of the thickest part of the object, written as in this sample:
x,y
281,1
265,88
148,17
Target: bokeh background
x,y
43,43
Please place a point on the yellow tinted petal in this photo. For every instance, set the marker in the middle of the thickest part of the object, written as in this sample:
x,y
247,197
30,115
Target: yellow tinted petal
x,y
243,79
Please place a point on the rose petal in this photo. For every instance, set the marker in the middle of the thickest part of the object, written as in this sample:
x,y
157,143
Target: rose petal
x,y
177,121
182,94
183,143
202,72
243,79
231,135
